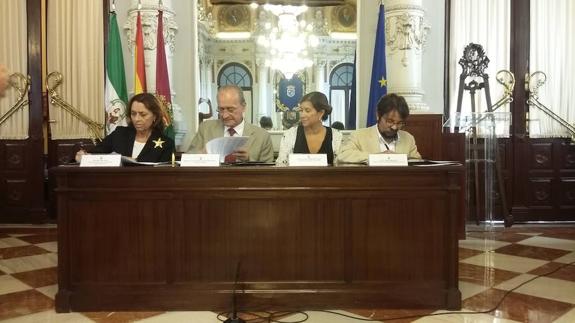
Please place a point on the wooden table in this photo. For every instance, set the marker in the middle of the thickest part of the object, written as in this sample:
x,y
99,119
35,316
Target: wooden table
x,y
163,238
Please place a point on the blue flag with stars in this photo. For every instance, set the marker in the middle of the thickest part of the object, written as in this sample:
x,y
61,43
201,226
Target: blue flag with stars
x,y
378,71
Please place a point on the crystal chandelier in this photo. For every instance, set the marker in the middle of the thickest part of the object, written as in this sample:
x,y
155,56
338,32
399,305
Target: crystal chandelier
x,y
289,43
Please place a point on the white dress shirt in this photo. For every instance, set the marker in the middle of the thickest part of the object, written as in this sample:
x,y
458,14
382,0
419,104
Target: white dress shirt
x,y
239,130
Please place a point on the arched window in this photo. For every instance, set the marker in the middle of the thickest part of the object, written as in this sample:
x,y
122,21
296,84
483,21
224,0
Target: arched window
x,y
238,74
234,73
340,82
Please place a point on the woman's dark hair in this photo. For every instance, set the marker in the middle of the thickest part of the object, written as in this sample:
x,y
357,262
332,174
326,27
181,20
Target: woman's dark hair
x,y
151,103
319,102
390,102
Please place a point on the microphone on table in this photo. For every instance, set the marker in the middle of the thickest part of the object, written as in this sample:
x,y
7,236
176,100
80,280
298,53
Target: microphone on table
x,y
234,317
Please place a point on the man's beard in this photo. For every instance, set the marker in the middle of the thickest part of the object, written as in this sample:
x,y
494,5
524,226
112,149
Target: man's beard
x,y
391,136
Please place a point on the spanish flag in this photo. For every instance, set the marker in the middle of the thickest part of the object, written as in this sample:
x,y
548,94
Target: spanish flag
x,y
140,67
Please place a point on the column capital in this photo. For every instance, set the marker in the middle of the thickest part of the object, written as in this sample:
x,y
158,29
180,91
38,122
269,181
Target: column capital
x,y
149,17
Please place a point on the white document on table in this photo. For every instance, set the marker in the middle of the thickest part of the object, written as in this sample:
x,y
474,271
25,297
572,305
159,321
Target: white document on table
x,y
224,146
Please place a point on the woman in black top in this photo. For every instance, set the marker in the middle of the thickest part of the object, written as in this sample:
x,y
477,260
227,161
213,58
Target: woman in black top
x,y
143,138
311,136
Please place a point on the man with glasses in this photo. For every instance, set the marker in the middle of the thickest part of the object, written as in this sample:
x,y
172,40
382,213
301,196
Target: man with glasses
x,y
384,137
230,123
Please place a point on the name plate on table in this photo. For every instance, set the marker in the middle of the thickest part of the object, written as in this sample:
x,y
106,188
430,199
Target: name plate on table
x,y
387,160
200,160
307,160
111,160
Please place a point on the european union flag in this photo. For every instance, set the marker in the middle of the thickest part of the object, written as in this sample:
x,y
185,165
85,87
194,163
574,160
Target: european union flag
x,y
378,71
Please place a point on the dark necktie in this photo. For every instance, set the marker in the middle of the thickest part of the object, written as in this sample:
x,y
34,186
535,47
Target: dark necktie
x,y
230,158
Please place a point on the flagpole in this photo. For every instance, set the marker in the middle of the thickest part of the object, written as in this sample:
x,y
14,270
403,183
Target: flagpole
x,y
113,6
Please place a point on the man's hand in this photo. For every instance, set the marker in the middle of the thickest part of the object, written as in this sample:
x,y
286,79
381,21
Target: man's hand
x,y
241,155
79,155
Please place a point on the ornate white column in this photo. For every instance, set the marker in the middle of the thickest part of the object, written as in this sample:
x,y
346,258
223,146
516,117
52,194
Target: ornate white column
x,y
149,16
405,36
319,70
263,107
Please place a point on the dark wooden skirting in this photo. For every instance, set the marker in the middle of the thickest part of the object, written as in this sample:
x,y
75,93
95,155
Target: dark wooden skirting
x,y
163,238
21,182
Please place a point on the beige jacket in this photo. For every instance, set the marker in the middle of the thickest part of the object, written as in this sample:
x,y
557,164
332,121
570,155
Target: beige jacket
x,y
362,142
259,145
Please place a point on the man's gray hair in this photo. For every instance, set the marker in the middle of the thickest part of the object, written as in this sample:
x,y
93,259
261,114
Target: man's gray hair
x,y
237,89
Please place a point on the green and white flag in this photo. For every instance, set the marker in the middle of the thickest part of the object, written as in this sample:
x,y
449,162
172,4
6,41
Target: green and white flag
x,y
116,90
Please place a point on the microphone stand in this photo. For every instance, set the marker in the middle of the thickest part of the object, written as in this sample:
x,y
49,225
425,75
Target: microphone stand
x,y
234,318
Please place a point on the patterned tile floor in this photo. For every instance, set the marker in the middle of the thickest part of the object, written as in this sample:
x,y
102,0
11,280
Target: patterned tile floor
x,y
491,264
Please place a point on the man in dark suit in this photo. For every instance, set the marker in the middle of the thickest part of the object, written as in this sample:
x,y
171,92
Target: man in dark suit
x,y
231,108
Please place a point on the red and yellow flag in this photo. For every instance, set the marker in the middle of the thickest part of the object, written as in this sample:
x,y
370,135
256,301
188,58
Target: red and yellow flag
x,y
162,77
140,67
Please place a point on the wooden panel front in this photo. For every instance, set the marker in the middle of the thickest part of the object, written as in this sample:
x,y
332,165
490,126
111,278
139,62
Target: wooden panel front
x,y
303,238
427,130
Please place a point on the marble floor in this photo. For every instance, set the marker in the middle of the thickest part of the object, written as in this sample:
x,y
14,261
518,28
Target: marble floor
x,y
525,273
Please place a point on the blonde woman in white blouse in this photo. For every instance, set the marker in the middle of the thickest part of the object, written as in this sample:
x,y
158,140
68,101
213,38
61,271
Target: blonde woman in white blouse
x,y
311,136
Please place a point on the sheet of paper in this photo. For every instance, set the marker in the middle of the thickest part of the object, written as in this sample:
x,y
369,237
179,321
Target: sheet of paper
x,y
127,161
224,146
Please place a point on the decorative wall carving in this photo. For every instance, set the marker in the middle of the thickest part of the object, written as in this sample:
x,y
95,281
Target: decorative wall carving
x,y
568,150
15,156
568,189
343,18
540,191
149,17
15,189
320,25
542,155
234,18
406,32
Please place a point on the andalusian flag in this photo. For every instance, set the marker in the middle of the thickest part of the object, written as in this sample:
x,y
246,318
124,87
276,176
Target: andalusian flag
x,y
378,70
116,91
140,68
163,79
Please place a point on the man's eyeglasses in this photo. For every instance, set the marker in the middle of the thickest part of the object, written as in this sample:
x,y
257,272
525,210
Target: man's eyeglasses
x,y
392,123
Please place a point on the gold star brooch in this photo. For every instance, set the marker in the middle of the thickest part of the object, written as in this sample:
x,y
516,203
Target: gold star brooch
x,y
159,142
